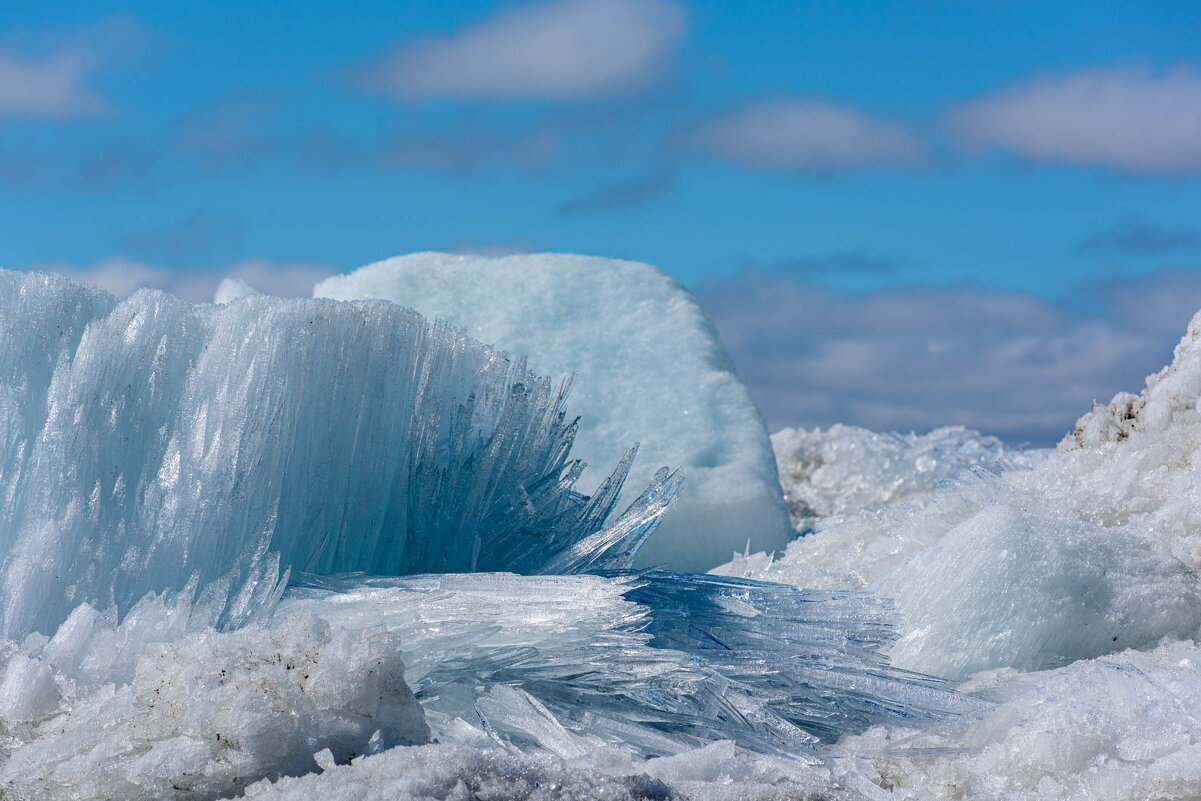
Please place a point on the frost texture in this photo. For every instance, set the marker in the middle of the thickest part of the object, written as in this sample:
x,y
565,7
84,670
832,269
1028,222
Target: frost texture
x,y
150,441
649,368
657,661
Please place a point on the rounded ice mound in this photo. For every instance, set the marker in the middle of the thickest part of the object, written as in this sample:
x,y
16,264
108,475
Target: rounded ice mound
x,y
649,367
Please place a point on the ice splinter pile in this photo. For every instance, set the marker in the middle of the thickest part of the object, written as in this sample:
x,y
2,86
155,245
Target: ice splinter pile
x,y
165,468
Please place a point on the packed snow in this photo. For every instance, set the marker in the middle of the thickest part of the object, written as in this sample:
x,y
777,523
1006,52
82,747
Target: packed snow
x,y
648,365
183,488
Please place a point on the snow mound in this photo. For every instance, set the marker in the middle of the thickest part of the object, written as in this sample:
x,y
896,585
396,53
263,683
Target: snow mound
x,y
149,709
1033,591
1118,727
648,365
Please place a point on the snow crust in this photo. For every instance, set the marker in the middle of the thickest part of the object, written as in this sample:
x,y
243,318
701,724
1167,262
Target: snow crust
x,y
157,707
649,367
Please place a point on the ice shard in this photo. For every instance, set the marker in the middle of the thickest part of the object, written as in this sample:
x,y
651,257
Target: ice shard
x,y
656,660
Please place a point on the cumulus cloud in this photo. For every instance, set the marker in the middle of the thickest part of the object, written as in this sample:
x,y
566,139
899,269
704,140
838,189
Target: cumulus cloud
x,y
121,276
809,135
1128,118
915,358
559,49
51,87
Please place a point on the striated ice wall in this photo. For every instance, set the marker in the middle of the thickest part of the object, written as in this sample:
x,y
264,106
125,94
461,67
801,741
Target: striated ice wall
x,y
151,441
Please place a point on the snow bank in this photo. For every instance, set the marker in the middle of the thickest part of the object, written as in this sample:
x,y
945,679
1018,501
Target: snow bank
x,y
649,368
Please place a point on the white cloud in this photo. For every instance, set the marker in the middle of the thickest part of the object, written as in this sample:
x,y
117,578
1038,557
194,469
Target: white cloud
x,y
1126,117
915,358
50,87
121,276
809,135
560,49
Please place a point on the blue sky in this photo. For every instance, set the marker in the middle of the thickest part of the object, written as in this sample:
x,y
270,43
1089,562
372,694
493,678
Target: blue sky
x,y
916,154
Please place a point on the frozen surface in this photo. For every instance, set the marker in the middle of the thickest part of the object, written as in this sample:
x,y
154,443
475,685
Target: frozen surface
x,y
649,368
152,442
169,466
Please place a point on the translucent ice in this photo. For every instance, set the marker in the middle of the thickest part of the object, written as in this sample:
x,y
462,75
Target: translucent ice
x,y
151,441
660,662
649,367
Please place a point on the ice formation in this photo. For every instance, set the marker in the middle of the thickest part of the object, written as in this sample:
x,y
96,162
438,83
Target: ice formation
x,y
648,365
167,467
659,662
151,441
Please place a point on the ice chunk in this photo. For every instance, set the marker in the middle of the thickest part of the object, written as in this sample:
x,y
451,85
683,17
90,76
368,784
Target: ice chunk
x,y
228,443
649,368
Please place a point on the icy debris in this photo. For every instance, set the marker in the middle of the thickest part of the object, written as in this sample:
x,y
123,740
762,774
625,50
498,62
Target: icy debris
x,y
846,469
150,442
659,662
1114,728
138,711
649,367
